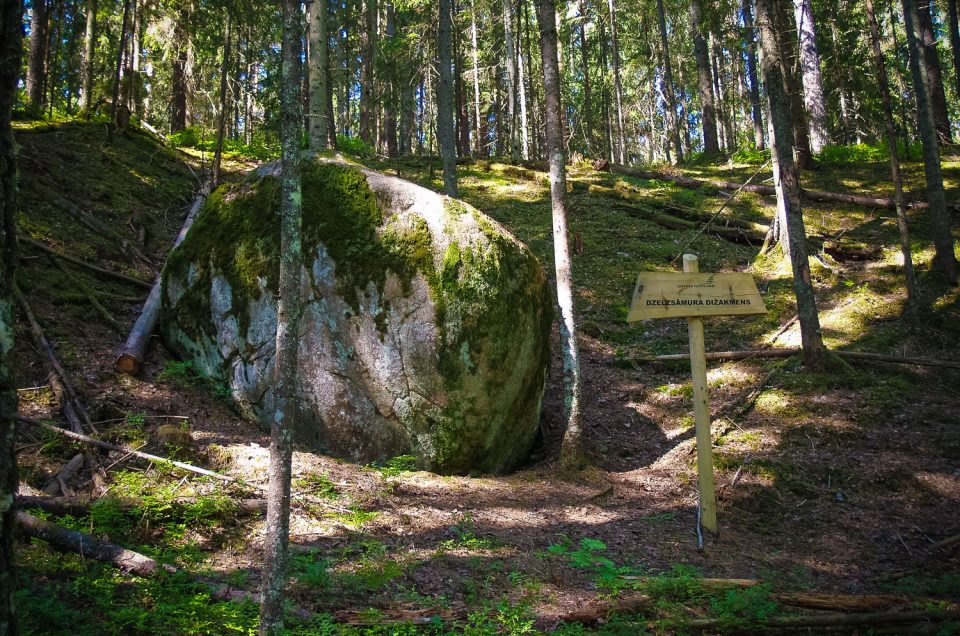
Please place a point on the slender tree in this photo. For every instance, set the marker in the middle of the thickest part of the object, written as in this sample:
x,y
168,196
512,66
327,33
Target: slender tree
x,y
621,144
756,108
180,60
668,88
891,133
787,181
287,404
368,65
317,45
89,42
701,54
448,148
944,257
11,32
509,45
810,71
224,75
36,61
117,119
571,452
954,41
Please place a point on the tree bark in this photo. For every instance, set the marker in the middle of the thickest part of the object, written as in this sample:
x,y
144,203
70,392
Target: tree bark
x,y
287,406
117,119
711,144
477,142
317,71
668,88
756,108
11,33
222,120
509,45
810,69
367,72
571,452
788,186
931,62
460,100
448,147
788,49
586,114
89,41
36,67
954,41
178,79
891,134
621,144
944,258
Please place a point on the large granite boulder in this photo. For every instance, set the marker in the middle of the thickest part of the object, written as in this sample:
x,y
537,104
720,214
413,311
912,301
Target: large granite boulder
x,y
425,328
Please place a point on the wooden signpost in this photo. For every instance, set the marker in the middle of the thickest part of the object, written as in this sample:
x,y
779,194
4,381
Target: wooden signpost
x,y
692,295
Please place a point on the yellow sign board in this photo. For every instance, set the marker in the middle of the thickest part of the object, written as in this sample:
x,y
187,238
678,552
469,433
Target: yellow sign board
x,y
675,295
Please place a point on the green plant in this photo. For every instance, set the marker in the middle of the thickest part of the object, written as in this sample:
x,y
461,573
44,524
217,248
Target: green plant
x,y
310,570
746,609
396,466
354,146
317,484
465,537
589,557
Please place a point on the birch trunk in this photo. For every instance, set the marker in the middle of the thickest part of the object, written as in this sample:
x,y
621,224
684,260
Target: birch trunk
x,y
445,129
944,258
668,89
788,185
810,69
276,533
11,32
701,54
891,133
571,452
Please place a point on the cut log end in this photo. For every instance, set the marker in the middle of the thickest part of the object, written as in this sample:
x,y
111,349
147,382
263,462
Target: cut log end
x,y
127,363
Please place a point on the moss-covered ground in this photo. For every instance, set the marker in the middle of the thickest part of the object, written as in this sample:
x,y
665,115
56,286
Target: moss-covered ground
x,y
841,482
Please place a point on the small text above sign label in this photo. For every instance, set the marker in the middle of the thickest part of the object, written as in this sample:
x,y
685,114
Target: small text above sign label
x,y
675,295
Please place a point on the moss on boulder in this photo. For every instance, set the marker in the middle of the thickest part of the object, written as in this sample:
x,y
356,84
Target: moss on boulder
x,y
425,328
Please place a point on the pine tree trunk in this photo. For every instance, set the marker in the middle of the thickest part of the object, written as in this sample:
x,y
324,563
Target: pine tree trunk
x,y
571,453
36,69
445,130
117,117
463,119
788,49
810,70
522,88
89,38
222,120
392,102
317,71
621,143
788,184
287,400
954,41
510,62
756,108
477,141
944,258
367,81
331,120
701,54
891,133
11,32
931,63
178,79
586,115
668,88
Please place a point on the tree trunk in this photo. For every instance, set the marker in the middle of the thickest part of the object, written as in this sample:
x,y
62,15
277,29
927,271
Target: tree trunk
x,y
891,133
931,63
788,185
668,89
222,121
810,70
11,32
89,41
118,119
367,72
711,145
944,259
477,142
317,70
178,80
788,49
448,148
571,452
522,88
460,100
756,109
621,143
586,115
510,62
276,533
955,41
36,68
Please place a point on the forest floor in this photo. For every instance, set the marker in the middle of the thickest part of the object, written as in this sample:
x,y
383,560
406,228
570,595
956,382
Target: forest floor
x,y
840,483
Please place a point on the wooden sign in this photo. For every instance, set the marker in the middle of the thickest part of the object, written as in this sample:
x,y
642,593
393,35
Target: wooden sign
x,y
692,294
674,295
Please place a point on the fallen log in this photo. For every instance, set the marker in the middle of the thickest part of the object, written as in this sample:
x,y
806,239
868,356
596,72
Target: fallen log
x,y
624,604
90,296
127,560
131,355
93,268
130,451
737,235
59,480
834,620
79,506
813,195
844,602
787,353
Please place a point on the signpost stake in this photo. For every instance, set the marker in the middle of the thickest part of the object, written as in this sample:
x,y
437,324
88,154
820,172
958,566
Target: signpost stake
x,y
701,413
